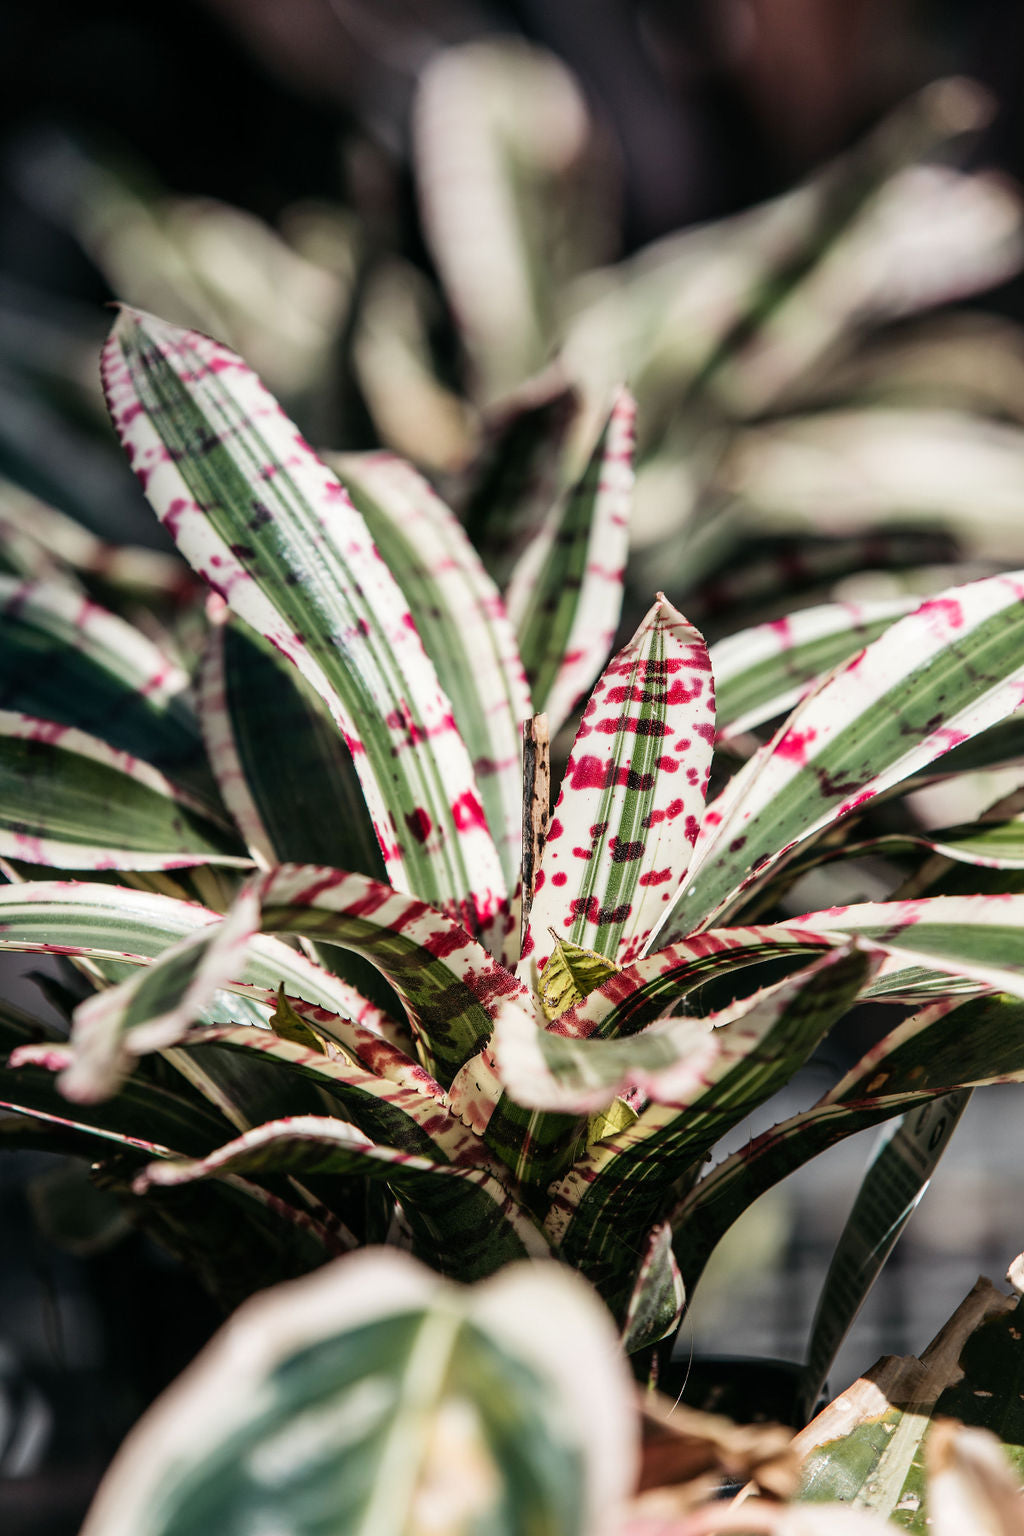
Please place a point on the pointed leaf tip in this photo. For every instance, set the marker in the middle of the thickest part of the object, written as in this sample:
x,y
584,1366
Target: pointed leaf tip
x,y
629,810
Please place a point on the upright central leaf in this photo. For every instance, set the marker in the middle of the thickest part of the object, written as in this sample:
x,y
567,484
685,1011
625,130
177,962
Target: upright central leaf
x,y
272,530
629,809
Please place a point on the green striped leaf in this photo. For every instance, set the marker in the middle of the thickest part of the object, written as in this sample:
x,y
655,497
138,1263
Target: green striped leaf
x,y
930,682
63,658
647,989
762,672
658,1295
57,790
110,923
393,1101
279,784
897,1177
987,844
946,1047
462,622
452,988
141,1109
628,811
373,1397
482,1226
602,1209
980,938
565,594
155,1008
272,530
90,1139
935,946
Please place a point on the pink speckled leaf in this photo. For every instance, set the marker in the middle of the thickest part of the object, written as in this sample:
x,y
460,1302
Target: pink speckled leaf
x,y
934,947
930,682
763,671
483,1224
629,809
462,622
565,594
155,1008
452,988
58,789
271,529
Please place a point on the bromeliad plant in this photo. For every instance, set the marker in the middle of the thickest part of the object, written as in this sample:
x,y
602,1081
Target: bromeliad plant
x,y
473,1043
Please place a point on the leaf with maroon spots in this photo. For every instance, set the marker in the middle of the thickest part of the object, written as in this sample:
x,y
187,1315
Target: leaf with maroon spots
x,y
764,671
58,788
462,622
452,988
483,1226
625,821
271,529
565,594
946,1047
932,681
606,1205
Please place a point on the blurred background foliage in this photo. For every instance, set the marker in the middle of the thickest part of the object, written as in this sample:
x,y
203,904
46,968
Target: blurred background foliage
x,y
420,230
